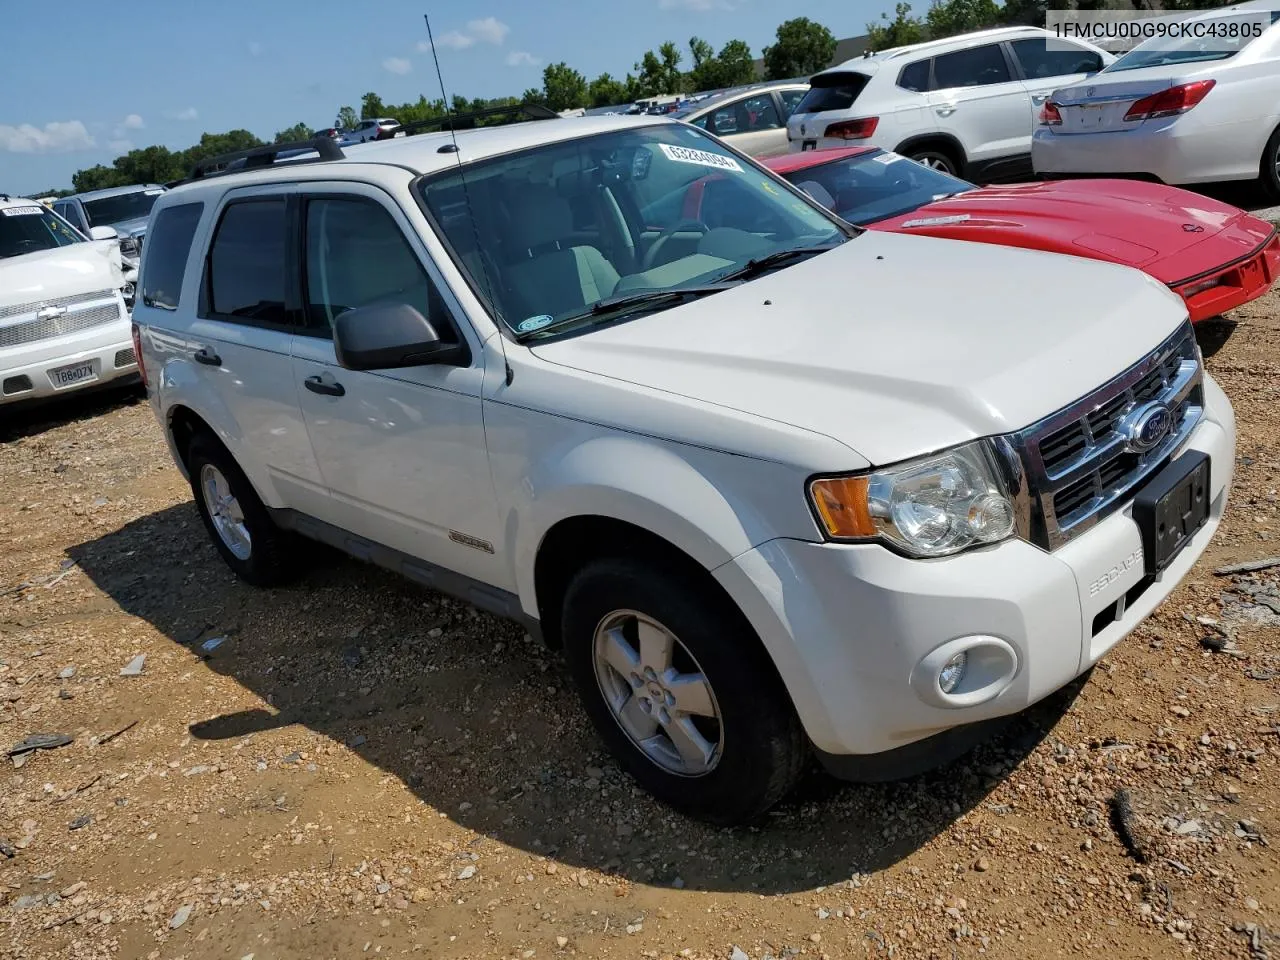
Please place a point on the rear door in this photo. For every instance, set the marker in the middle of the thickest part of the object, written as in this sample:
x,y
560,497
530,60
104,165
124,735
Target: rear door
x,y
1046,68
753,124
978,100
240,345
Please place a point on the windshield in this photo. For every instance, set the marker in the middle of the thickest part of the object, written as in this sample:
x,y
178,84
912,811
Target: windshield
x,y
31,229
547,234
876,185
1220,39
122,207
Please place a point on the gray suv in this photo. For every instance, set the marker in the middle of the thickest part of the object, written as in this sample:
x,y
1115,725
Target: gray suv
x,y
125,209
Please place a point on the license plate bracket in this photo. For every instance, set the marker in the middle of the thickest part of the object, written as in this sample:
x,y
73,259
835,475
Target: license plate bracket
x,y
808,144
1172,508
73,373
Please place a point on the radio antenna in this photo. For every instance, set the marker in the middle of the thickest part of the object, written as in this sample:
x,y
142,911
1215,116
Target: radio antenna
x,y
462,175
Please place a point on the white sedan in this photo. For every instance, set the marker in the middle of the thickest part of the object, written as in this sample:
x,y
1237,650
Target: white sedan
x,y
1178,110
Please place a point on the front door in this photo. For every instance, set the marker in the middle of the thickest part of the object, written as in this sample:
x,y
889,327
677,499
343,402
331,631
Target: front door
x,y
976,98
402,452
1046,69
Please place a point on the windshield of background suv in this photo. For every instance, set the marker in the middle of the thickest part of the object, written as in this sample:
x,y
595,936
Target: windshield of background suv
x,y
547,234
31,229
1221,39
874,186
122,207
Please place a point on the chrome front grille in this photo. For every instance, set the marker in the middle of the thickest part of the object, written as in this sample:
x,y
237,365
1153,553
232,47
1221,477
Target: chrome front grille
x,y
71,322
19,309
1082,461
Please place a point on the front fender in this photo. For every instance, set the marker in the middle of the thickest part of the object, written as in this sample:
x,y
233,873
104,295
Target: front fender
x,y
710,505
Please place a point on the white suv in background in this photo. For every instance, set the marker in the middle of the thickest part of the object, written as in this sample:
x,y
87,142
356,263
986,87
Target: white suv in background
x,y
967,105
63,322
367,130
760,523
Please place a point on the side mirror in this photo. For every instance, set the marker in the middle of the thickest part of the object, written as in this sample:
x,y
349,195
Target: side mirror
x,y
389,336
103,233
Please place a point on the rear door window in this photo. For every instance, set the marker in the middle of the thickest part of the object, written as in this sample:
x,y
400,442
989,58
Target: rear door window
x,y
832,91
1038,62
166,254
790,100
246,276
976,67
758,113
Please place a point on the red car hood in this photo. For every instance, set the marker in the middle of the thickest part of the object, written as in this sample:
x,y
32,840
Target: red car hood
x,y
1171,234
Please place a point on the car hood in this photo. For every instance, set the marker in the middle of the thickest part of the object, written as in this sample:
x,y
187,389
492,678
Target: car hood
x,y
893,345
1170,233
131,228
67,271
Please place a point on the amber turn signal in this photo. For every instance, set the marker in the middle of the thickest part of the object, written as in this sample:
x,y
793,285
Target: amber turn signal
x,y
841,503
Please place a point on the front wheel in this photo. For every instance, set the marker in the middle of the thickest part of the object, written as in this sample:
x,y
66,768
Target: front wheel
x,y
1269,172
678,687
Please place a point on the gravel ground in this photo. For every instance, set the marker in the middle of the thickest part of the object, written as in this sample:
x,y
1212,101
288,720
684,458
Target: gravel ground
x,y
354,767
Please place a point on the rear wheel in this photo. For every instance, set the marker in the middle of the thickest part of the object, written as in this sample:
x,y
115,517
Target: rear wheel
x,y
241,528
680,690
936,159
1269,172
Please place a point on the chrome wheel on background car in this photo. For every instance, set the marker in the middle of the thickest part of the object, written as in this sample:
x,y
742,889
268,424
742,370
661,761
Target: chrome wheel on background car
x,y
935,161
225,512
658,694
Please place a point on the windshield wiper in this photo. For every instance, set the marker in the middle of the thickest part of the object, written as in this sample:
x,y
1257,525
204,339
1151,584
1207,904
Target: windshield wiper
x,y
754,268
628,302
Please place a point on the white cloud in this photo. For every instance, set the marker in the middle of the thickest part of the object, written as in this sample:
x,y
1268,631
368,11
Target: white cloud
x,y
186,113
453,40
132,122
518,58
490,30
397,65
255,48
65,137
120,145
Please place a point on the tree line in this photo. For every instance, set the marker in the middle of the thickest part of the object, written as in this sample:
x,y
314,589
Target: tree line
x,y
801,47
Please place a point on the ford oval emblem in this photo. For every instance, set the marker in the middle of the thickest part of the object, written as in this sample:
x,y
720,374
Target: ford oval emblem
x,y
1145,427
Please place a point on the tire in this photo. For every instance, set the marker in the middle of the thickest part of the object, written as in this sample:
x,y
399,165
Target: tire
x,y
1269,169
252,545
937,159
753,749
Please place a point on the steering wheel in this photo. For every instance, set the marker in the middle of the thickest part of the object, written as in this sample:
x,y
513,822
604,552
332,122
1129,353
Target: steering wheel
x,y
680,226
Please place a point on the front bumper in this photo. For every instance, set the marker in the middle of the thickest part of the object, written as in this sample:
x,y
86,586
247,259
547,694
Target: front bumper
x,y
26,371
848,625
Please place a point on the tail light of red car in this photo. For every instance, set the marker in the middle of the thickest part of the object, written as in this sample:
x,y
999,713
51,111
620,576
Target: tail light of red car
x,y
858,129
1050,116
137,352
1171,102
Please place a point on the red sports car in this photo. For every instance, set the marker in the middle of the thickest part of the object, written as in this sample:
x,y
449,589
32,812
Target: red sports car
x,y
1214,255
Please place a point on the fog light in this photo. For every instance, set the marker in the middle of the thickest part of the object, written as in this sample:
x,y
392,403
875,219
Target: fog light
x,y
952,672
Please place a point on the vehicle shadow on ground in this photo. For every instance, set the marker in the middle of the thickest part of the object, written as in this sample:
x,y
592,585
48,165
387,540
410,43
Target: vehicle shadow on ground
x,y
480,722
27,420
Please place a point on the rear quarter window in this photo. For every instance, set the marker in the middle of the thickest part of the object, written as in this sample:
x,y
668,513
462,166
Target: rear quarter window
x,y
915,77
832,91
165,255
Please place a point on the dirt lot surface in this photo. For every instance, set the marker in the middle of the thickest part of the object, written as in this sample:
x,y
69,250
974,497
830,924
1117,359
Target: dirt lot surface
x,y
359,768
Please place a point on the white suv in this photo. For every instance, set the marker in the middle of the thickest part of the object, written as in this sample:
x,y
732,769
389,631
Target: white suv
x,y
370,130
967,105
63,322
765,519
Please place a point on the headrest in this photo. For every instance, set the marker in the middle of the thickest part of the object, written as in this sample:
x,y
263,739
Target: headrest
x,y
539,216
819,193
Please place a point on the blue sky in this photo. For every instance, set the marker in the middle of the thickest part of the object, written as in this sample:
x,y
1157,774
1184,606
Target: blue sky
x,y
88,82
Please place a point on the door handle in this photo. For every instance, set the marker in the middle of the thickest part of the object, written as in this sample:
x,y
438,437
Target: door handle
x,y
1039,97
326,387
207,357
946,111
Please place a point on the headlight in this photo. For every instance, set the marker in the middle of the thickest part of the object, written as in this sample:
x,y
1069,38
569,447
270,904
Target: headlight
x,y
931,507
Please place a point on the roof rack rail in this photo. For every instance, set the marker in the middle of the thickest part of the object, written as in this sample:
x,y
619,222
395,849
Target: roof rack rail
x,y
534,111
264,157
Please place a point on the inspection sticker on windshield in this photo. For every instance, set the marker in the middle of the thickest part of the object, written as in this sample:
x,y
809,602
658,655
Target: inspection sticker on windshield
x,y
936,221
22,211
534,323
700,157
